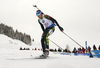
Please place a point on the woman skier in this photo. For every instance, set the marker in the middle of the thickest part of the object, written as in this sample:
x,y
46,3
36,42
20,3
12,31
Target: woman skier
x,y
47,24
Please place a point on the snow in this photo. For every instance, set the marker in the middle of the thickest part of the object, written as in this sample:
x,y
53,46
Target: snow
x,y
12,57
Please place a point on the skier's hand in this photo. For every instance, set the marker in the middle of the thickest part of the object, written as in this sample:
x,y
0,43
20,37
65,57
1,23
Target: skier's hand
x,y
61,29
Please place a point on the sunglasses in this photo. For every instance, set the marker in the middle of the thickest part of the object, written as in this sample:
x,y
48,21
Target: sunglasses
x,y
37,14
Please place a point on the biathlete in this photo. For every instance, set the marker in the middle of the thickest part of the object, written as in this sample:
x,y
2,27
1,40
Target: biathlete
x,y
47,24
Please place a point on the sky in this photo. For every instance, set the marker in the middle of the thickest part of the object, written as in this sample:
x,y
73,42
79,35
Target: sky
x,y
79,18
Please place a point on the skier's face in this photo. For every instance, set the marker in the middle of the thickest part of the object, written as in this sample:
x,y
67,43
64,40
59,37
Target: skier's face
x,y
40,16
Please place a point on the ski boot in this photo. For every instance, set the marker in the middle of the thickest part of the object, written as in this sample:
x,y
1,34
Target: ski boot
x,y
45,54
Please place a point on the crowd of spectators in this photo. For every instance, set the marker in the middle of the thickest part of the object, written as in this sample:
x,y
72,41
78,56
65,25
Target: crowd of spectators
x,y
75,50
83,50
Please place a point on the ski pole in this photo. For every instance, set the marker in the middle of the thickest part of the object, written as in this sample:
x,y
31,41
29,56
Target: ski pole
x,y
72,39
56,44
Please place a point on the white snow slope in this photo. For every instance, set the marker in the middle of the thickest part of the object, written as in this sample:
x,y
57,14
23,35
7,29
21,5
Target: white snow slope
x,y
12,57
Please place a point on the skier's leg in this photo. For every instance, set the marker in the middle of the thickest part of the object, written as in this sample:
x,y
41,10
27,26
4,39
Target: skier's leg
x,y
45,40
42,43
48,33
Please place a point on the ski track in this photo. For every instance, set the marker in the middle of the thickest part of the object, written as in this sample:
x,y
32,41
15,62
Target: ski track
x,y
23,59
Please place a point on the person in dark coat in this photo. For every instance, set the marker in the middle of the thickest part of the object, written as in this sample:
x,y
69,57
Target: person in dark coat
x,y
99,47
89,49
94,47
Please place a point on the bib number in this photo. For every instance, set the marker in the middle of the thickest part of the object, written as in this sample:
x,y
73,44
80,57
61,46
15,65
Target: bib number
x,y
46,24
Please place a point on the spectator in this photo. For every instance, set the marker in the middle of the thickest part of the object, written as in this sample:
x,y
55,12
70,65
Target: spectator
x,y
89,49
55,50
83,50
65,50
74,50
99,47
21,48
79,50
94,47
59,50
35,49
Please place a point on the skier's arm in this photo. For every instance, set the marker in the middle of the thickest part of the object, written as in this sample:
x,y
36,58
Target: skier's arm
x,y
54,21
41,25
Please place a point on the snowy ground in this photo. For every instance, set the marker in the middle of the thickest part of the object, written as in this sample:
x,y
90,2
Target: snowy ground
x,y
12,57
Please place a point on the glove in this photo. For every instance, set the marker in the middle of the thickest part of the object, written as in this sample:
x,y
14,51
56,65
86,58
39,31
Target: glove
x,y
61,29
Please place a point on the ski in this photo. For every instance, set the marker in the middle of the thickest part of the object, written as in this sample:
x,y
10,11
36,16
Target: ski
x,y
39,57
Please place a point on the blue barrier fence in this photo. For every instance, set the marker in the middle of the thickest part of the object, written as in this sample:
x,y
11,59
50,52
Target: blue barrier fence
x,y
95,53
84,54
